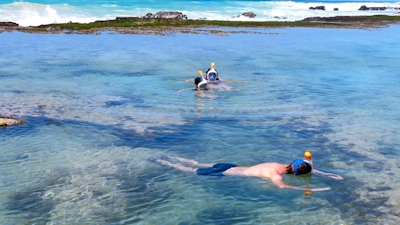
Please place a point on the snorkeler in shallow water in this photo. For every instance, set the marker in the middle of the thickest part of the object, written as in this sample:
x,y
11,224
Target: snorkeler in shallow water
x,y
200,81
212,74
272,171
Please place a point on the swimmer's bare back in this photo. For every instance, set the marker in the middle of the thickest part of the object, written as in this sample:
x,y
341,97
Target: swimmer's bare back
x,y
240,171
235,171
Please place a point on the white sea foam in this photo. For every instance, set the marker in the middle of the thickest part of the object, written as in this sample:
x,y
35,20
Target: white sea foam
x,y
32,14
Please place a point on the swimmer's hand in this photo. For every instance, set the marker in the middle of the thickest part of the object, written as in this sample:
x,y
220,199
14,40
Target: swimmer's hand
x,y
336,177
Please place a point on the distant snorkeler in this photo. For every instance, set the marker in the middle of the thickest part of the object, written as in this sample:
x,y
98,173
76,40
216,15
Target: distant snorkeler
x,y
212,74
272,171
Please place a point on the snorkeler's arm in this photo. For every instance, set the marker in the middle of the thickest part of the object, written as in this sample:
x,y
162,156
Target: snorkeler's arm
x,y
277,180
331,175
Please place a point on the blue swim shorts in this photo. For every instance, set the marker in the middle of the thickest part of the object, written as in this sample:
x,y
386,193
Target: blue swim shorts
x,y
215,170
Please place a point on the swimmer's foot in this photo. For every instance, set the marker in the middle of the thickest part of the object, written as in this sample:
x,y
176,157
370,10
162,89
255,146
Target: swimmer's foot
x,y
190,161
153,159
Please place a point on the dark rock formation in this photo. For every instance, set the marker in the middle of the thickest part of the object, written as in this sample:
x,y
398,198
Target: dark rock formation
x,y
318,7
8,24
166,15
357,21
249,14
363,7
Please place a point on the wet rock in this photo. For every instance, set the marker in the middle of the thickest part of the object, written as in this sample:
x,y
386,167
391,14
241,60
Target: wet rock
x,y
318,7
166,15
249,14
335,9
363,7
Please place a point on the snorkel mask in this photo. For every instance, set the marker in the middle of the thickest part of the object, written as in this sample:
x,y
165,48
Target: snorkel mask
x,y
296,163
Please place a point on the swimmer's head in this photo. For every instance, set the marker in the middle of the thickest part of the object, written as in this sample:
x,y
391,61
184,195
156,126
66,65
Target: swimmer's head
x,y
200,73
298,167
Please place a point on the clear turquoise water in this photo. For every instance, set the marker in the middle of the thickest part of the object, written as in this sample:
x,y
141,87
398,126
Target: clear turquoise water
x,y
97,106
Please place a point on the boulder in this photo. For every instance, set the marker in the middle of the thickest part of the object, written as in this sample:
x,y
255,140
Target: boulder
x,y
249,14
318,7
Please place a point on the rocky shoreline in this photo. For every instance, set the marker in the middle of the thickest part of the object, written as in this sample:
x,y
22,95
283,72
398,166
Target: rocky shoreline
x,y
163,23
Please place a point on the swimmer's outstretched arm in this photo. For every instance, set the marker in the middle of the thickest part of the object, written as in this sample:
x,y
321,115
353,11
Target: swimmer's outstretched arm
x,y
331,175
277,180
307,189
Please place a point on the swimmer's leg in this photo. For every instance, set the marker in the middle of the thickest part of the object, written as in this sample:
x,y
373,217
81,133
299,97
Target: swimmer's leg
x,y
176,166
191,161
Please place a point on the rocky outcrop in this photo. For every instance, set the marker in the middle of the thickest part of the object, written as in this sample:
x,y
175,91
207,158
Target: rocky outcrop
x,y
166,15
280,17
8,121
249,14
363,7
8,24
318,7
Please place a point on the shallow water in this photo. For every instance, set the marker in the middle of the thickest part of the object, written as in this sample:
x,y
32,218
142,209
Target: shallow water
x,y
97,106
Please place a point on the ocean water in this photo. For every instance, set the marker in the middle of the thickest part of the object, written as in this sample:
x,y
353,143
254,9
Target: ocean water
x,y
98,106
37,12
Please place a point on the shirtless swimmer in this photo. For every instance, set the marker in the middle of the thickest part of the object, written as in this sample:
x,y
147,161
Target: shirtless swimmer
x,y
272,171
